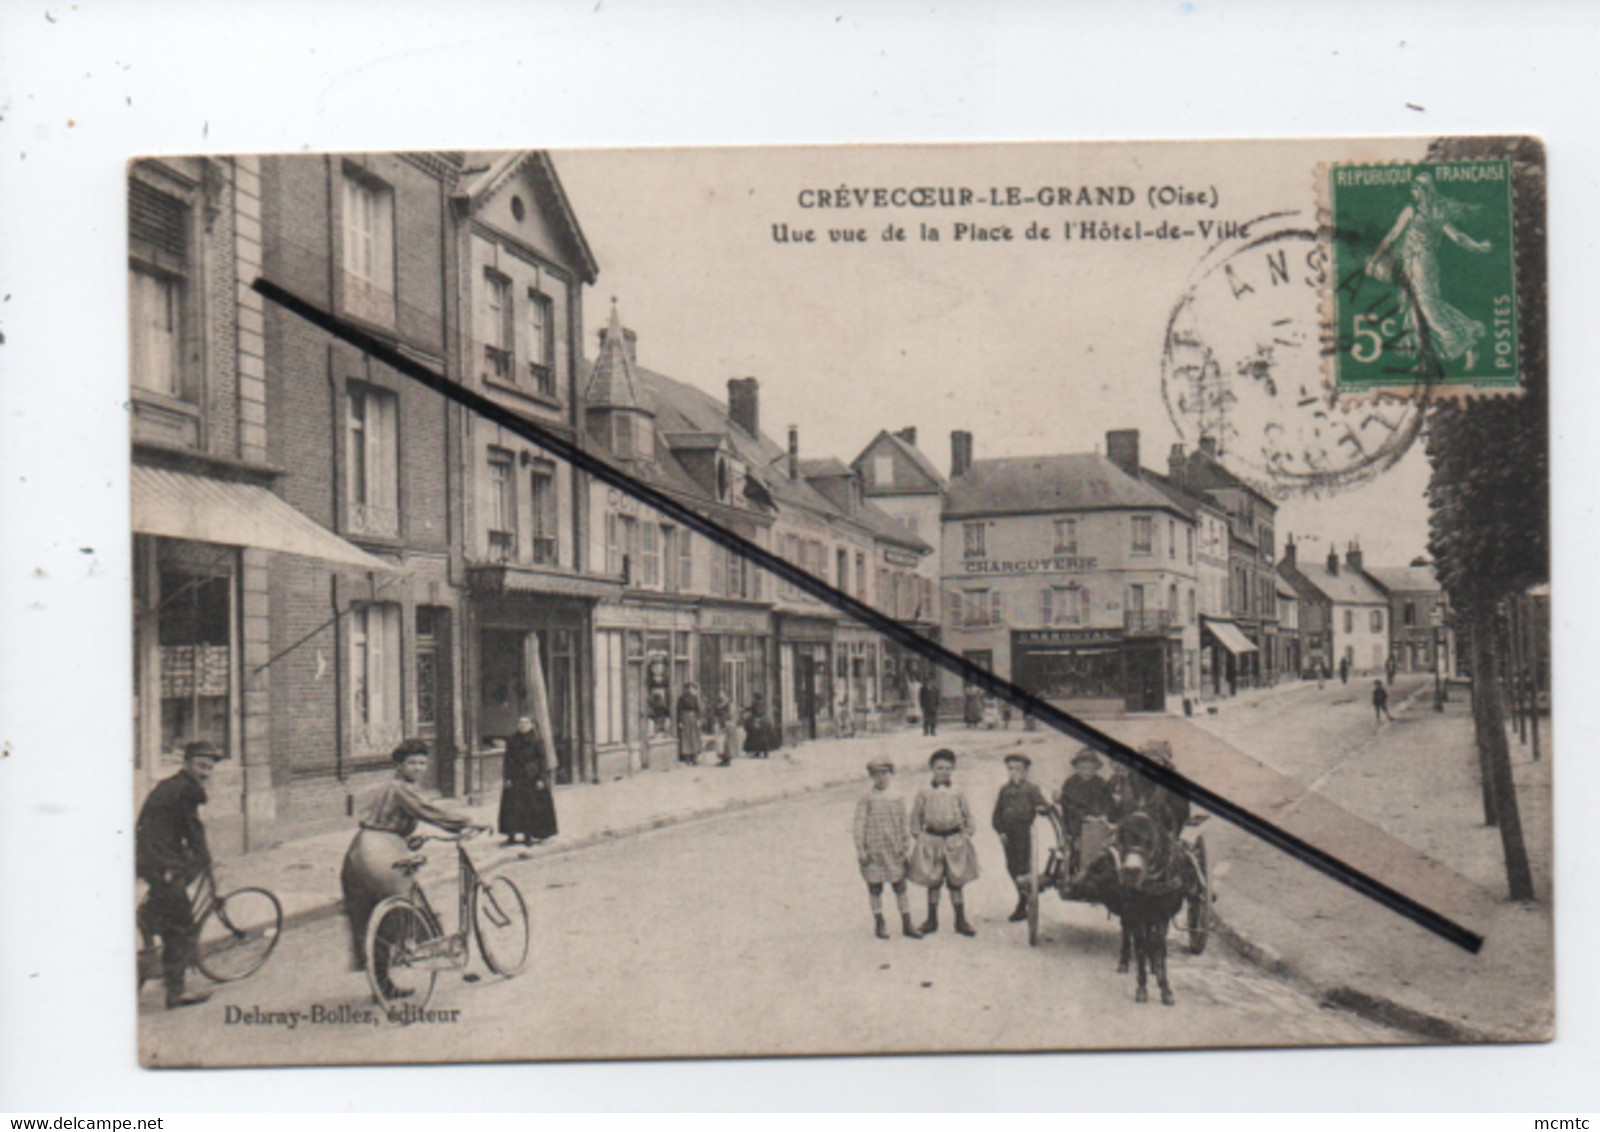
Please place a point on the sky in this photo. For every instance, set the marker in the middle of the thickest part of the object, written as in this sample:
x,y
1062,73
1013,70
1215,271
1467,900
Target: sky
x,y
1035,346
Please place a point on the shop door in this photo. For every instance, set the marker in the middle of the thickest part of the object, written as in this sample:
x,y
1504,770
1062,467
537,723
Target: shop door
x,y
735,682
501,696
1145,688
434,715
558,650
805,692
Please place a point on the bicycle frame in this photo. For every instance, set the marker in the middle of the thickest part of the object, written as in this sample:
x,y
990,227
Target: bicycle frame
x,y
448,950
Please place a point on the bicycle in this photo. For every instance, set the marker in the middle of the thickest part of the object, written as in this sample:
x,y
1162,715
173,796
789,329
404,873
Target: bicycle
x,y
235,932
407,946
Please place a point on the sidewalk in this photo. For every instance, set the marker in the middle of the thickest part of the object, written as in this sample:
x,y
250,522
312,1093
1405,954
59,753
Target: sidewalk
x,y
1417,781
304,873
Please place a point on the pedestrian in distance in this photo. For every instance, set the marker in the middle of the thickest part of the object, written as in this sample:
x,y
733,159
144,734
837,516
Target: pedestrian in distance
x,y
882,846
1388,670
928,701
722,714
760,736
1380,702
1322,674
1015,808
972,707
527,806
169,853
688,720
369,875
1344,670
941,824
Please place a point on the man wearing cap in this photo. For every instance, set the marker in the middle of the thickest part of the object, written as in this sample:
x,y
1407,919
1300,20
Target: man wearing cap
x,y
1168,808
1018,802
1083,795
169,852
941,823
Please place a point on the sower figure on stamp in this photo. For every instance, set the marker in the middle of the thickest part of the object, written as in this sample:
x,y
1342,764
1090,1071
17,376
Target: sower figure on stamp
x,y
941,822
882,846
169,853
1015,807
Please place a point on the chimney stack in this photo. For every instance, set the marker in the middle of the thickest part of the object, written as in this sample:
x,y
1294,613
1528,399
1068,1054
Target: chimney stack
x,y
1333,561
1175,466
960,453
909,435
744,404
1122,449
1208,446
1288,550
1352,556
794,452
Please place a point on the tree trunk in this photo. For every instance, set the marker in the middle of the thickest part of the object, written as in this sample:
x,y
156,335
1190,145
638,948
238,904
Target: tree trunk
x,y
1489,717
1479,695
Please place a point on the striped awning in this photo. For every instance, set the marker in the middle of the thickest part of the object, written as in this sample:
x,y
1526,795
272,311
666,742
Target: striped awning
x,y
1229,637
181,505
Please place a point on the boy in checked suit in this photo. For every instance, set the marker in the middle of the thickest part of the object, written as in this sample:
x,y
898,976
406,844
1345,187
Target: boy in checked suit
x,y
882,846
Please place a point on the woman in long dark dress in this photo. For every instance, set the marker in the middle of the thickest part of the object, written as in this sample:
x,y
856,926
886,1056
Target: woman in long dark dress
x,y
527,808
689,739
760,738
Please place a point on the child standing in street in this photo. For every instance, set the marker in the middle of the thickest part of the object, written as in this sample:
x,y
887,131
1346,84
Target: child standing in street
x,y
1380,702
1018,802
941,823
882,846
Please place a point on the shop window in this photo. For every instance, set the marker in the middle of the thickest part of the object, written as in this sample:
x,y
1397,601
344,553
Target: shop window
x,y
367,231
373,461
376,719
195,657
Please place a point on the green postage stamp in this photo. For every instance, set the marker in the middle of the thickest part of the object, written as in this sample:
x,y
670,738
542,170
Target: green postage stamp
x,y
1426,287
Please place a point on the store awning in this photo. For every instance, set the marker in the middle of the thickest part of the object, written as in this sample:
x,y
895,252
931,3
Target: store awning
x,y
501,578
1229,637
179,505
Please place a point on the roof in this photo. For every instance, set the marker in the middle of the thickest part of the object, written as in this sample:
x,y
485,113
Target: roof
x,y
613,379
694,440
1347,587
1403,578
1283,586
825,466
1023,485
1208,474
910,451
485,173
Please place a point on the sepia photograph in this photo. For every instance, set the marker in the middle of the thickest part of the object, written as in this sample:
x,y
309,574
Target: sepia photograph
x,y
719,602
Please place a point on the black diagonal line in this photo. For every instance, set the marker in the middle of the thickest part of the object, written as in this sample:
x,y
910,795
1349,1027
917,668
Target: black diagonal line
x,y
1067,724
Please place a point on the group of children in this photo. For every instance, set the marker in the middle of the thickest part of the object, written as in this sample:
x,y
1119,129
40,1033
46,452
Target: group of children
x,y
935,849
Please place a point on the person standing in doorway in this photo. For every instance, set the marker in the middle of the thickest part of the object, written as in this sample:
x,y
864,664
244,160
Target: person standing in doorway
x,y
527,807
1380,702
928,701
689,724
169,853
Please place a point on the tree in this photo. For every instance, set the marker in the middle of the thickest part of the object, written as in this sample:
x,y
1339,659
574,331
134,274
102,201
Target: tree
x,y
1490,491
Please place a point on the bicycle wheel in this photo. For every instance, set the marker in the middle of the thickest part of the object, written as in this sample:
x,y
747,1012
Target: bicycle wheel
x,y
238,934
500,920
395,972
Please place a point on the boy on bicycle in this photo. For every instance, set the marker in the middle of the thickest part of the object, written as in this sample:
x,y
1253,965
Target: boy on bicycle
x,y
169,853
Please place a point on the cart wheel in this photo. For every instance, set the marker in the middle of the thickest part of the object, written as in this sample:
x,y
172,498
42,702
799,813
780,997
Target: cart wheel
x,y
1035,880
1198,909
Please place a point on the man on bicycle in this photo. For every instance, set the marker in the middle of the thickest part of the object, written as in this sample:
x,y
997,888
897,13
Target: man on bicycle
x,y
169,853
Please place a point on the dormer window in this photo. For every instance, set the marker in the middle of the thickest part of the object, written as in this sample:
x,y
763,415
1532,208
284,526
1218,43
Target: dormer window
x,y
722,480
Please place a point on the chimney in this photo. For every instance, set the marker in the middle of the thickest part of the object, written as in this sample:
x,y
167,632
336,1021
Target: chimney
x,y
1352,556
1288,551
909,435
1333,561
1208,446
794,452
630,344
960,453
1122,449
1175,466
744,403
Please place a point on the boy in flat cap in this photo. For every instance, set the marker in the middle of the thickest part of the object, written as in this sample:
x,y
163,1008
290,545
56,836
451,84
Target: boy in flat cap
x,y
1084,794
941,822
882,846
1018,802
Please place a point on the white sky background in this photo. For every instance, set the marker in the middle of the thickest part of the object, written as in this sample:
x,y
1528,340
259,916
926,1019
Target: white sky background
x,y
84,88
1036,347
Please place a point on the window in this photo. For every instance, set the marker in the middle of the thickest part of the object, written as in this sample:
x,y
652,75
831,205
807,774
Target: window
x,y
685,559
1143,534
1172,601
158,267
861,576
622,444
977,605
1410,614
1192,617
367,228
1172,539
883,470
1377,620
911,523
502,514
1066,536
375,698
972,535
650,556
499,330
1061,606
1190,532
542,500
541,344
1349,621
955,608
374,462
613,544
841,574
193,635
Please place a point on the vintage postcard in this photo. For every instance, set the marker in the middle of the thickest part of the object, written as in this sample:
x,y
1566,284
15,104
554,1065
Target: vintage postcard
x,y
840,600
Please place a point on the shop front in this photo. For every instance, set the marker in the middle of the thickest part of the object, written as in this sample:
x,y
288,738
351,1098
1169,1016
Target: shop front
x,y
1231,656
1084,668
857,670
805,677
735,642
644,655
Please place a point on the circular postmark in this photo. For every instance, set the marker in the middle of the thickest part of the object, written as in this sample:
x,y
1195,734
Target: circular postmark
x,y
1243,368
